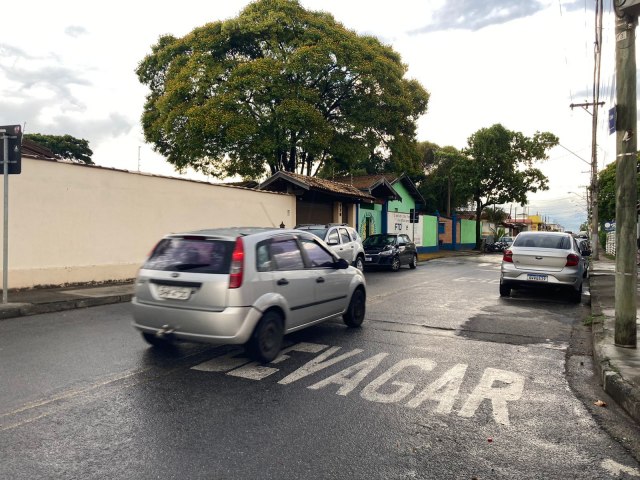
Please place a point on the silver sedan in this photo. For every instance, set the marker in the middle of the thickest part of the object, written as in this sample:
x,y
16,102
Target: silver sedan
x,y
543,259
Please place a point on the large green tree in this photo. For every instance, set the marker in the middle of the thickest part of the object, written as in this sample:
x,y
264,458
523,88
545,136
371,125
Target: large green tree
x,y
607,192
442,187
64,146
278,88
500,167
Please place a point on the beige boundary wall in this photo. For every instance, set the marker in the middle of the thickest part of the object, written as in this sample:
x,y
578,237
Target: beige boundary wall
x,y
72,223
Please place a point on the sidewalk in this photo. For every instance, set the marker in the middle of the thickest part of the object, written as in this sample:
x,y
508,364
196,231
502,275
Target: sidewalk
x,y
618,368
46,300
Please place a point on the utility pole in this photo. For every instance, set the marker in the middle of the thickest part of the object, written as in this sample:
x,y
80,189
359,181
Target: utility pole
x,y
626,180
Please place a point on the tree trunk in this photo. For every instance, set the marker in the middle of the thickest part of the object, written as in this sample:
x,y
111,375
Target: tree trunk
x,y
478,223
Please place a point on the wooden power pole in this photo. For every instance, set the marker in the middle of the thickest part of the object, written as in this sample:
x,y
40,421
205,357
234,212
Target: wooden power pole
x,y
626,180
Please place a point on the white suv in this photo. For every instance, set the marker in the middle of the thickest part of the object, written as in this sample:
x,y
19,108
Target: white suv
x,y
342,239
243,286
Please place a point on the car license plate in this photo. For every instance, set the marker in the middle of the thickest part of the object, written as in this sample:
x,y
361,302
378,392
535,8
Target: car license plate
x,y
171,292
367,259
536,277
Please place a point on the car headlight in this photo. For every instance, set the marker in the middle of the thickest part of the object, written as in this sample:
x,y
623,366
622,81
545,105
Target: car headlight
x,y
387,251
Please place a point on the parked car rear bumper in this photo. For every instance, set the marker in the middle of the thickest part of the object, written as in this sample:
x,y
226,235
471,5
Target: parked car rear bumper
x,y
232,325
516,278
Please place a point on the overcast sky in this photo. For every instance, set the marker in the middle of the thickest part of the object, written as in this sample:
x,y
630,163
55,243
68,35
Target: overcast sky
x,y
68,68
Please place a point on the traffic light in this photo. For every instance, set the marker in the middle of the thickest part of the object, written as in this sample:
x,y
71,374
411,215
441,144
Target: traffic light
x,y
12,134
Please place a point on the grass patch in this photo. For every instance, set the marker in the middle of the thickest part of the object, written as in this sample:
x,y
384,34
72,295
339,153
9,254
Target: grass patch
x,y
591,319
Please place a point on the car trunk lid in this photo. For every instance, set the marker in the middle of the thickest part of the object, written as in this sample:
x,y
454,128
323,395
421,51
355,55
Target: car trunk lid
x,y
550,260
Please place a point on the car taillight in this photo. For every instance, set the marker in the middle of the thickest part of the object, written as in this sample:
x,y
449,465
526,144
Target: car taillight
x,y
508,256
572,260
237,265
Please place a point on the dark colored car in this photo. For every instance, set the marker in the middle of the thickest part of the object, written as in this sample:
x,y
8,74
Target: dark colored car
x,y
389,250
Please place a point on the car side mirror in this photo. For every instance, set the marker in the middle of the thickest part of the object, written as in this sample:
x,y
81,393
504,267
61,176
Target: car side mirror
x,y
341,264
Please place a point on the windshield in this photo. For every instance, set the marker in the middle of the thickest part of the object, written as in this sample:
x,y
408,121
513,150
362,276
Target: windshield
x,y
543,241
199,255
379,240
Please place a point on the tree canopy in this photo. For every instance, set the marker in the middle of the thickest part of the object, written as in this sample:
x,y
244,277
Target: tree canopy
x,y
64,146
500,166
441,185
279,88
607,192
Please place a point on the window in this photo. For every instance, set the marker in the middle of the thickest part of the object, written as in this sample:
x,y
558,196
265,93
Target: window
x,y
344,234
332,238
193,254
263,257
318,256
287,255
441,227
405,239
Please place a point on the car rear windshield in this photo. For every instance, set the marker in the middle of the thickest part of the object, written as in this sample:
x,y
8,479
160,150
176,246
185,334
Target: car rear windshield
x,y
543,241
379,240
198,255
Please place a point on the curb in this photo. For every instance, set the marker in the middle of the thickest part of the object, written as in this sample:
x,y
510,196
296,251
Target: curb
x,y
624,393
14,310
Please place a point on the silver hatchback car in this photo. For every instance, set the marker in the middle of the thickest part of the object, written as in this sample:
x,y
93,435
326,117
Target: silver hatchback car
x,y
246,286
543,259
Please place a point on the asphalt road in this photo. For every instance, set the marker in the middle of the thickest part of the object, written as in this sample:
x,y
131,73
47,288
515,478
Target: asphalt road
x,y
444,380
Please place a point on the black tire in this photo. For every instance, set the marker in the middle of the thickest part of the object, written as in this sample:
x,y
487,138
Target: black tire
x,y
359,263
505,290
354,315
158,342
576,295
414,262
266,339
395,264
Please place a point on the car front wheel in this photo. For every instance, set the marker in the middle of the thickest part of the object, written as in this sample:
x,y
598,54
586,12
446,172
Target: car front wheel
x,y
354,315
395,264
359,263
266,340
414,261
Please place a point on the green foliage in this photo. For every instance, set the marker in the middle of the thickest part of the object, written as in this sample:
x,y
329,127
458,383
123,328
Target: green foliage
x,y
64,146
443,189
280,88
500,166
495,216
607,192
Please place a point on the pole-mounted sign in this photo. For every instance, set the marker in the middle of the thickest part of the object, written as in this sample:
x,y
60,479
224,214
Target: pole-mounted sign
x,y
13,135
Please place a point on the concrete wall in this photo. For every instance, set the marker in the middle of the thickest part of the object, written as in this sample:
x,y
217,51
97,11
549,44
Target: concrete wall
x,y
72,223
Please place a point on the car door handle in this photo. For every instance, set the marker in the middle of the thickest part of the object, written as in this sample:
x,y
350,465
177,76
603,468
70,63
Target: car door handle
x,y
319,280
283,281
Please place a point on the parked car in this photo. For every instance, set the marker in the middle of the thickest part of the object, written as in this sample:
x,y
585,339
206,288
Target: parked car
x,y
342,239
543,259
389,250
246,286
585,249
506,241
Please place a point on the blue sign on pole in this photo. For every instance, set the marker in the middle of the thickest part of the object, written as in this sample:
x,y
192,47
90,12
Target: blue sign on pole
x,y
612,120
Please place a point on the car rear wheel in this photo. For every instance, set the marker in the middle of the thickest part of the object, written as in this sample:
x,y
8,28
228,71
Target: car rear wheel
x,y
576,295
359,263
505,290
414,261
395,264
156,341
266,340
354,315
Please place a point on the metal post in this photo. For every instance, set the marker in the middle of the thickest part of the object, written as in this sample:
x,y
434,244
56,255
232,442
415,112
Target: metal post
x,y
5,237
626,180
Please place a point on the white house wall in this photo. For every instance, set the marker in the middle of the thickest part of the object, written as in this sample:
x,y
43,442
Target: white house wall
x,y
73,223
